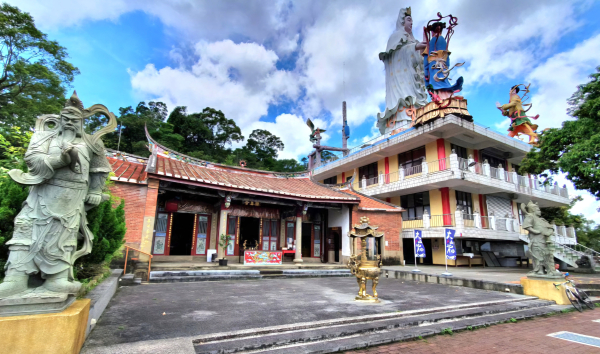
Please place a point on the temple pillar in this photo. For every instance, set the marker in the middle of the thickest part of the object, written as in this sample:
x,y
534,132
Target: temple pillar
x,y
222,229
298,257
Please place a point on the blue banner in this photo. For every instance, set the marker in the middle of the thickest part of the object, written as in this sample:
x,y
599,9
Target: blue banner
x,y
419,248
450,249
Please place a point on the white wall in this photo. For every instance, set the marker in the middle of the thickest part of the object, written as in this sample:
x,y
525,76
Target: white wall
x,y
341,218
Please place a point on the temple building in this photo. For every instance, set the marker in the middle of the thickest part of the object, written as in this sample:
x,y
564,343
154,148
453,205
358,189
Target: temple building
x,y
176,205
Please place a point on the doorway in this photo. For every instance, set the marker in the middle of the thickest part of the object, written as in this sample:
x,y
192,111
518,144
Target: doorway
x,y
182,234
408,249
306,239
249,231
332,246
428,255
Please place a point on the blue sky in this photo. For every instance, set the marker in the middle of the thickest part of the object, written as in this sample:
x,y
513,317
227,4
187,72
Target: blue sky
x,y
273,64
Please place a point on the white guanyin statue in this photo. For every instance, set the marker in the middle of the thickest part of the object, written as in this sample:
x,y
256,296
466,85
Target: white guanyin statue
x,y
404,76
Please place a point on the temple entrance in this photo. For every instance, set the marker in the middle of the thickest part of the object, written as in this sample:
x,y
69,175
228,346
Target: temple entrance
x,y
182,230
409,251
306,239
332,246
249,231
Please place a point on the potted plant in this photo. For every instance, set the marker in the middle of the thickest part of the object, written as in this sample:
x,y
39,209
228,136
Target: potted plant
x,y
224,242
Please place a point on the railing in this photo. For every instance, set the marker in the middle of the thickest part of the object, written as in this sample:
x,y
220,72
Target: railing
x,y
579,248
412,224
442,220
403,173
133,260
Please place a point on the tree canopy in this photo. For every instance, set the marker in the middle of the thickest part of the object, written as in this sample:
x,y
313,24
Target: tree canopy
x,y
573,149
35,71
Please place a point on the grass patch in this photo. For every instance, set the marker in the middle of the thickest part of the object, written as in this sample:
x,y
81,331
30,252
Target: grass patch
x,y
89,284
513,320
447,331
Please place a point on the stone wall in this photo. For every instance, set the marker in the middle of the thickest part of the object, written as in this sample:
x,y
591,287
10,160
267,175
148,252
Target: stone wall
x,y
135,200
391,225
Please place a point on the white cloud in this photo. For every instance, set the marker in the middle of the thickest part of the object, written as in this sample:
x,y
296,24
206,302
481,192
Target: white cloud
x,y
588,207
557,78
292,130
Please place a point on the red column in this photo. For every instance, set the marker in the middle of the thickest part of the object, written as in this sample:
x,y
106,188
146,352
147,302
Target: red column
x,y
476,155
482,211
441,153
387,170
343,177
446,206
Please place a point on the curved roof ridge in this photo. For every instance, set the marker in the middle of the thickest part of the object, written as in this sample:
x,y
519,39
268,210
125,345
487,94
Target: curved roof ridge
x,y
307,173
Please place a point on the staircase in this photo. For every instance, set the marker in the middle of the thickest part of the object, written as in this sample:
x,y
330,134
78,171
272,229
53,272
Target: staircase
x,y
350,333
560,251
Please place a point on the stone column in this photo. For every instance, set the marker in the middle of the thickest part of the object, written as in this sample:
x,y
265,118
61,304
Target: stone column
x,y
470,160
381,179
453,160
486,168
222,230
424,168
298,257
501,173
426,221
401,174
477,219
364,182
492,220
458,219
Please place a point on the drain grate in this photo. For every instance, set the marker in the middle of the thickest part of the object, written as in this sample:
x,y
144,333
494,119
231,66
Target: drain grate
x,y
577,338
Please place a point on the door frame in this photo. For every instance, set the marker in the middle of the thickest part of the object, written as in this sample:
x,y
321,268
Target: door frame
x,y
195,235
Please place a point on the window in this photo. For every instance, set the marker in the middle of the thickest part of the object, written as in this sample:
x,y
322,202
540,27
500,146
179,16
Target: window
x,y
201,235
269,235
369,172
231,230
317,240
330,180
411,160
494,161
515,168
415,205
289,233
465,201
521,215
460,151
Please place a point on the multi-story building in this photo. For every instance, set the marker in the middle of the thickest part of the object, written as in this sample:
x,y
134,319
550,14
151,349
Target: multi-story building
x,y
452,173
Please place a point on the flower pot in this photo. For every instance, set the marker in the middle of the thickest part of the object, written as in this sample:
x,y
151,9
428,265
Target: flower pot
x,y
223,262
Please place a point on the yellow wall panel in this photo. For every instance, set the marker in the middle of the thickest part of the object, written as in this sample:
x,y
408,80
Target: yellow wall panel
x,y
435,200
393,163
381,166
452,194
431,151
395,200
339,178
448,148
475,197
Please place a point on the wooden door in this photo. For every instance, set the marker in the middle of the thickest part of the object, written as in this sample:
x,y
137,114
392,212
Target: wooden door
x,y
162,234
201,234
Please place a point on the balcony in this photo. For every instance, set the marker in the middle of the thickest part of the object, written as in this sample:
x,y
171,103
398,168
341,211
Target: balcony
x,y
480,227
466,175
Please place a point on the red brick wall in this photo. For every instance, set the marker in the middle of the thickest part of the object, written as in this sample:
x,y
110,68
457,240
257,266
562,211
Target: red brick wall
x,y
135,201
391,226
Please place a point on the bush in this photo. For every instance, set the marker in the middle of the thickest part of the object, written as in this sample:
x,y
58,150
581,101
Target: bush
x,y
12,196
107,223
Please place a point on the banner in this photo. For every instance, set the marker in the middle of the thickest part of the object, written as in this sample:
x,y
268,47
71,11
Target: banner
x,y
419,248
450,249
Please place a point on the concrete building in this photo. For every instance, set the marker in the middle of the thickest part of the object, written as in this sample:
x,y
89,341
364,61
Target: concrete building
x,y
451,172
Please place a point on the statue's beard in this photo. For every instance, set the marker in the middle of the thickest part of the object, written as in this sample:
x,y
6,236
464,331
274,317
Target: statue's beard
x,y
69,133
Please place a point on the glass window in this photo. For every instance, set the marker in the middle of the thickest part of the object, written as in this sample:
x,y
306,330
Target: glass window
x,y
369,172
231,228
460,151
493,161
290,233
201,236
317,241
465,201
414,205
330,180
411,160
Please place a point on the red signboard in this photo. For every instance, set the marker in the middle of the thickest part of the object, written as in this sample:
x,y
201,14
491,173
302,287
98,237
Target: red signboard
x,y
262,257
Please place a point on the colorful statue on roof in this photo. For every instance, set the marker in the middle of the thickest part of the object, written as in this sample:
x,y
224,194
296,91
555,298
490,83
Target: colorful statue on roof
x,y
436,59
519,121
404,78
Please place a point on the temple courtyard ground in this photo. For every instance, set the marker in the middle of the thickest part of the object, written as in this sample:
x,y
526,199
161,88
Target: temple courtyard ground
x,y
528,336
199,317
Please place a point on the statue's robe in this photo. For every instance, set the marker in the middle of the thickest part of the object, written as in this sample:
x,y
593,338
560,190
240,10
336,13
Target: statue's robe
x,y
514,109
537,240
404,79
438,49
53,216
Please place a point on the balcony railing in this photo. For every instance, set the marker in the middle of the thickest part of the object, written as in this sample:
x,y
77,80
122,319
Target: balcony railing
x,y
403,173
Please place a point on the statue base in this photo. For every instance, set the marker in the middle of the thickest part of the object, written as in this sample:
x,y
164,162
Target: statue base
x,y
50,333
34,302
544,288
367,299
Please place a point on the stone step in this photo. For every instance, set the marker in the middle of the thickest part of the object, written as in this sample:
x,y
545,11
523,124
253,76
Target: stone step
x,y
327,336
130,279
239,274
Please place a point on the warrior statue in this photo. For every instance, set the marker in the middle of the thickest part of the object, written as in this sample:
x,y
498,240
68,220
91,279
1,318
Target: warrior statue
x,y
540,232
404,77
67,171
519,122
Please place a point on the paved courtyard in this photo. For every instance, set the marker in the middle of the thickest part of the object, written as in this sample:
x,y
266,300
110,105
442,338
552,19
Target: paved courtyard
x,y
530,337
171,311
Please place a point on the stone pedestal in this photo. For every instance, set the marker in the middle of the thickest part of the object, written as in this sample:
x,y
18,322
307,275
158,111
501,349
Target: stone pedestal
x,y
35,301
545,289
60,333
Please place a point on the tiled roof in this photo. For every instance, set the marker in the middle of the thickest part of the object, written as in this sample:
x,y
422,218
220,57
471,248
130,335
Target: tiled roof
x,y
250,181
369,203
128,171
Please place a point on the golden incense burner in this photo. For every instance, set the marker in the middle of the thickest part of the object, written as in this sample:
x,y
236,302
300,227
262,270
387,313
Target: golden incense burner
x,y
365,263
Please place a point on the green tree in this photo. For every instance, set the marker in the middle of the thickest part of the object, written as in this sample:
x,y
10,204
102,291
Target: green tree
x,y
35,72
206,134
573,149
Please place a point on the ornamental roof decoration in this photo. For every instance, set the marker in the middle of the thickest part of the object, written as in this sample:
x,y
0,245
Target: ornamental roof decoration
x,y
364,229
